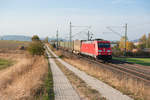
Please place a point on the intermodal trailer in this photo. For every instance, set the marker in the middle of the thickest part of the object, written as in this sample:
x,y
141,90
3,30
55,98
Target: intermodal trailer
x,y
76,46
66,45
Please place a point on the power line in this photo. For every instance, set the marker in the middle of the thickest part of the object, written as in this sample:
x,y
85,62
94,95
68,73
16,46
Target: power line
x,y
74,26
117,33
109,28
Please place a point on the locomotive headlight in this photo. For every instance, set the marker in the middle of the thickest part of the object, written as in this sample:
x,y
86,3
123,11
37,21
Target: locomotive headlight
x,y
108,50
99,50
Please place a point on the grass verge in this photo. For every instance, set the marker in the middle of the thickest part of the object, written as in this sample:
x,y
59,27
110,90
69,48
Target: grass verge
x,y
5,63
46,91
141,61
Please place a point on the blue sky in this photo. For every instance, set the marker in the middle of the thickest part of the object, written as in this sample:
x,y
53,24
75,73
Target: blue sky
x,y
43,17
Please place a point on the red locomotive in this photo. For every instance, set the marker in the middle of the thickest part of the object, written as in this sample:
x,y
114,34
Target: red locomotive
x,y
97,48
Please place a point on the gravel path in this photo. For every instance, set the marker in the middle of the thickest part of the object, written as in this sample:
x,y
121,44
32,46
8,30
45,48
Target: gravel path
x,y
62,88
106,90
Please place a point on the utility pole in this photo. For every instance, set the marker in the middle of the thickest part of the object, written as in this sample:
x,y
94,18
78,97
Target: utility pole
x,y
88,35
125,40
70,34
57,38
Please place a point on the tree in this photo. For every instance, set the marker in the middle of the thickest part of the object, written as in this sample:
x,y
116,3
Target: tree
x,y
148,41
35,38
143,42
129,45
122,43
46,40
36,48
140,46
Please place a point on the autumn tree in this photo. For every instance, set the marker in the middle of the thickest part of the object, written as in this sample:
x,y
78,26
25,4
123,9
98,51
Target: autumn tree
x,y
122,43
143,42
129,45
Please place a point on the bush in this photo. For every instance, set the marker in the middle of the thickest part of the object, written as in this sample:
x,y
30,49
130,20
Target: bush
x,y
131,54
35,38
142,54
36,48
117,53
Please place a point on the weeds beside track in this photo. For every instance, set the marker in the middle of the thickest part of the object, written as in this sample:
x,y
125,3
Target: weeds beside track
x,y
136,73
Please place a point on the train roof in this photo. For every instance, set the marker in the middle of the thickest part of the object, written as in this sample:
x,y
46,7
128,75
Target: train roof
x,y
97,40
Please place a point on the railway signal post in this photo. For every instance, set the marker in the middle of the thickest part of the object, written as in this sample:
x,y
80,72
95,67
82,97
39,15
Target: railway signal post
x,y
88,35
70,34
125,40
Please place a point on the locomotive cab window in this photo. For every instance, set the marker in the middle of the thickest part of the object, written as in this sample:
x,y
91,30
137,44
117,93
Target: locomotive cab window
x,y
103,45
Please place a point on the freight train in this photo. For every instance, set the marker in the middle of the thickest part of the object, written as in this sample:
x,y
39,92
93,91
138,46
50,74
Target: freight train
x,y
98,48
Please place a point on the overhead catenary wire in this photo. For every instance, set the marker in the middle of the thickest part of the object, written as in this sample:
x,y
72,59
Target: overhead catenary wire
x,y
109,28
74,26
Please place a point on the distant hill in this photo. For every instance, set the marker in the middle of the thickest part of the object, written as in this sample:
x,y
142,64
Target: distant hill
x,y
15,37
23,38
135,40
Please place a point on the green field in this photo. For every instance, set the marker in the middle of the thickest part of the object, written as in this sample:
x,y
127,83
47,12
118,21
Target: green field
x,y
141,61
5,63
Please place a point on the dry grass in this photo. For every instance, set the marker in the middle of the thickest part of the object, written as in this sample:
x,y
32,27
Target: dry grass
x,y
21,81
132,87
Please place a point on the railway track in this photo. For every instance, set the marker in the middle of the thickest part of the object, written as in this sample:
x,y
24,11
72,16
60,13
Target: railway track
x,y
124,69
127,70
139,72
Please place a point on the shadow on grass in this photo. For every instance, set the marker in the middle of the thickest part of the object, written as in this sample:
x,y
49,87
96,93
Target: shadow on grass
x,y
132,61
139,62
55,57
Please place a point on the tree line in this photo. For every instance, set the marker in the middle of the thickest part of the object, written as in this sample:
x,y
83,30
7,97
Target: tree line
x,y
144,42
131,48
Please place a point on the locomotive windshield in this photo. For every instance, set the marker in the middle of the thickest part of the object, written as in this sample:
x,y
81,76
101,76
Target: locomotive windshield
x,y
103,45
